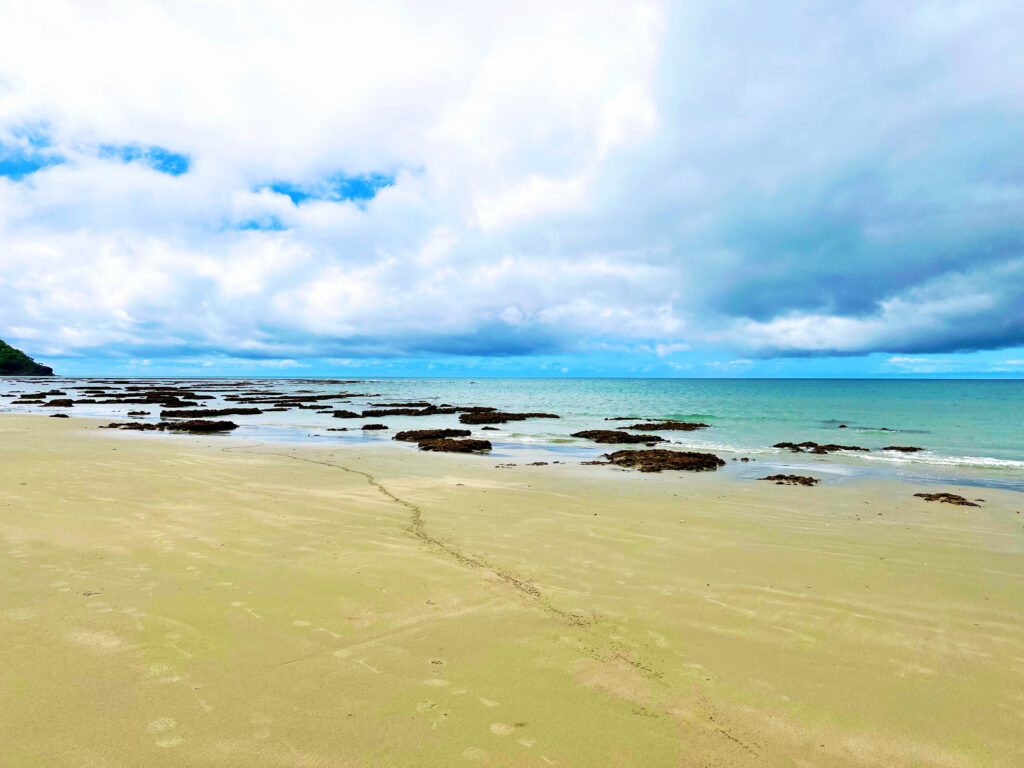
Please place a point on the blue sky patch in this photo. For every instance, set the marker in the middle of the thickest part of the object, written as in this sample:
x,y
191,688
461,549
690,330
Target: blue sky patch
x,y
17,162
262,224
337,187
156,157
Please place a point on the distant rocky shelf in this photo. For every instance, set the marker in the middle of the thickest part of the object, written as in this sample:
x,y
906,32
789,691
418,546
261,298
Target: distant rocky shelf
x,y
14,362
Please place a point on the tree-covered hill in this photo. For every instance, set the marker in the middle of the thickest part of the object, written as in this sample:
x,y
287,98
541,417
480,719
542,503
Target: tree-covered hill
x,y
14,362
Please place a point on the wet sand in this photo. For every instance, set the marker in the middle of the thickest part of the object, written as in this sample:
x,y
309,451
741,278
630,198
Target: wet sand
x,y
169,601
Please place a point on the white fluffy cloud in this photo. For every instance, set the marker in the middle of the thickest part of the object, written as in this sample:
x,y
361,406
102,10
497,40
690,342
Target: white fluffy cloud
x,y
783,181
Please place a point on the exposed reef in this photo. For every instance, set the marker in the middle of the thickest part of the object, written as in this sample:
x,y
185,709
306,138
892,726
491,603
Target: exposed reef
x,y
448,445
660,459
810,446
791,479
947,498
670,425
616,436
500,417
416,435
196,426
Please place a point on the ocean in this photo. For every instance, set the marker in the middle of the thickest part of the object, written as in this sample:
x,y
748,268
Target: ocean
x,y
972,432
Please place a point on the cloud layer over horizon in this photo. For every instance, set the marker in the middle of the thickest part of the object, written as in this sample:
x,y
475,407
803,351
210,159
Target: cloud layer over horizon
x,y
269,181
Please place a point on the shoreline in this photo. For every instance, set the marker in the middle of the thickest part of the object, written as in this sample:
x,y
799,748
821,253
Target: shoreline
x,y
839,468
207,601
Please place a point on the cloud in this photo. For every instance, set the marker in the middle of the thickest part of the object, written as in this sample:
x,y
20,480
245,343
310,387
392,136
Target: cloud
x,y
345,180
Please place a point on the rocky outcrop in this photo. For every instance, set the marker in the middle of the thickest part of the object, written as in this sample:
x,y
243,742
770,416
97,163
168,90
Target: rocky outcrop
x,y
791,479
947,498
448,445
670,425
616,436
660,459
195,426
59,403
347,415
501,417
209,413
903,448
810,446
416,435
14,362
374,427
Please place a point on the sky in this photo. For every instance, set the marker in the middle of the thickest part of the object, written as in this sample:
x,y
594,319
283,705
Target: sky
x,y
523,188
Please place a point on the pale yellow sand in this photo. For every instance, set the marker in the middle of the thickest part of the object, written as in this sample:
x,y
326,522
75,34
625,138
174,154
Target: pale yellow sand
x,y
165,602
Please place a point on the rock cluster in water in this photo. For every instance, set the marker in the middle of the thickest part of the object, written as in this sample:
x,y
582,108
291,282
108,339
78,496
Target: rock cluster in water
x,y
947,498
416,435
810,446
500,417
616,436
791,479
448,445
670,425
197,426
658,459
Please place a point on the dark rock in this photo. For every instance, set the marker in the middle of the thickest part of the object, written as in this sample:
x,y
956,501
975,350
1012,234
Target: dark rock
x,y
492,429
337,429
946,498
842,426
812,447
198,426
347,415
678,426
138,426
792,479
416,435
59,416
616,436
138,413
659,459
374,427
455,446
59,403
903,448
209,413
500,417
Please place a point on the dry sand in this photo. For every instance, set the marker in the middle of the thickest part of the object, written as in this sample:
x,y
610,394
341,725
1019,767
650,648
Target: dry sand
x,y
172,601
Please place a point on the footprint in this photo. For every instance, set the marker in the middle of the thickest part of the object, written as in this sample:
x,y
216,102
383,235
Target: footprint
x,y
488,703
162,725
173,741
474,754
502,729
528,742
103,640
301,623
436,682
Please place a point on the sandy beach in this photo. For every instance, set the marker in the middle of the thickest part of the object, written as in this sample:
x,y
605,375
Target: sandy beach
x,y
171,601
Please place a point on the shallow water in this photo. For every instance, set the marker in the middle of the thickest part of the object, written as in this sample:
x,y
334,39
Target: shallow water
x,y
972,431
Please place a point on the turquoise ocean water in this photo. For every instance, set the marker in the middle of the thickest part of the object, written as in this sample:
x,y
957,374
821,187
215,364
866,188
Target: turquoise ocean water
x,y
972,431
